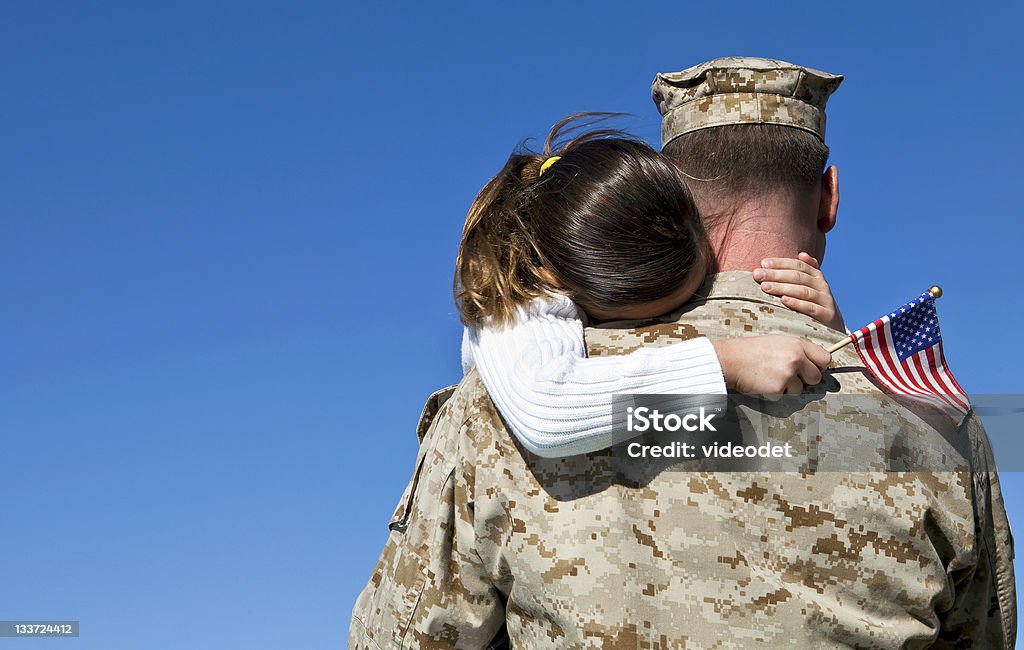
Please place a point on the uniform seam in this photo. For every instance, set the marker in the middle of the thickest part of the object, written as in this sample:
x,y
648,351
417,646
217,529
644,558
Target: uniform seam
x,y
983,501
1003,589
781,96
365,637
801,77
423,583
424,565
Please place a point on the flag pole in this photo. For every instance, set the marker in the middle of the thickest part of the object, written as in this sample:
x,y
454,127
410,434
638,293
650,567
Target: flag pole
x,y
936,292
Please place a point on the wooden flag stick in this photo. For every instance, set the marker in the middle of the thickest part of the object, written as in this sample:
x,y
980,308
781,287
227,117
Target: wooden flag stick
x,y
838,345
936,292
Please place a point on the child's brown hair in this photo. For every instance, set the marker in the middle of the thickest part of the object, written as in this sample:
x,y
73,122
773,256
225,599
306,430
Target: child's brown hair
x,y
611,220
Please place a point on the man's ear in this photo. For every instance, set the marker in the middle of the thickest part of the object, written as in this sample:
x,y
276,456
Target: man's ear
x,y
828,205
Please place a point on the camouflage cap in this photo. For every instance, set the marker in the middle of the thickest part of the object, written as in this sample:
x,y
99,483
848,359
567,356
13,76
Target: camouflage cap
x,y
742,90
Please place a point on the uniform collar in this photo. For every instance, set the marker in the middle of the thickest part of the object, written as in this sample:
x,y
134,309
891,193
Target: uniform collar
x,y
732,285
728,285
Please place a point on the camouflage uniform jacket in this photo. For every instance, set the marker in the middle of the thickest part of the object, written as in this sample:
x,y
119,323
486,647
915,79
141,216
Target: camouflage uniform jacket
x,y
592,552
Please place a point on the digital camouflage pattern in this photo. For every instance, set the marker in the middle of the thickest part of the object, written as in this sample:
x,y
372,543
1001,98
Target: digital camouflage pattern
x,y
742,90
596,551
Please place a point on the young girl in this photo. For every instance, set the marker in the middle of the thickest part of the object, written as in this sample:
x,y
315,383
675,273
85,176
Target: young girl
x,y
605,230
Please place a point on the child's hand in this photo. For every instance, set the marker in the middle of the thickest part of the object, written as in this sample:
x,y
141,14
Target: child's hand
x,y
801,286
771,365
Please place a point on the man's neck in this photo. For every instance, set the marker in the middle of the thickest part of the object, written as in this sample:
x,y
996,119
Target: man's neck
x,y
743,250
744,236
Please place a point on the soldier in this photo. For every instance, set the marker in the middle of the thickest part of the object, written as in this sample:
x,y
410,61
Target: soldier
x,y
594,551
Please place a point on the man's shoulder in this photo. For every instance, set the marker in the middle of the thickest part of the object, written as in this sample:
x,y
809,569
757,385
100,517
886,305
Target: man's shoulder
x,y
729,305
448,411
464,399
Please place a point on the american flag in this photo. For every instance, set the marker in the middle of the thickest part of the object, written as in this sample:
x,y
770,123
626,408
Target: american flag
x,y
903,350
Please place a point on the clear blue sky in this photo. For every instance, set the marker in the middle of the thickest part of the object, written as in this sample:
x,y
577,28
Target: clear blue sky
x,y
228,236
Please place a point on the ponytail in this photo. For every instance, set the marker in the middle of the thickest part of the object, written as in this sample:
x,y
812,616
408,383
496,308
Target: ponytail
x,y
498,265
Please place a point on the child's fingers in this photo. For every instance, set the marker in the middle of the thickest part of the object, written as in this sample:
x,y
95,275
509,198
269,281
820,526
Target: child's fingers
x,y
791,264
795,386
792,277
799,291
807,307
809,373
808,260
818,355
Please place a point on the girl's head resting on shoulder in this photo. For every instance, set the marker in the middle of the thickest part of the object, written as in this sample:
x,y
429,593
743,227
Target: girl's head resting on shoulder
x,y
609,223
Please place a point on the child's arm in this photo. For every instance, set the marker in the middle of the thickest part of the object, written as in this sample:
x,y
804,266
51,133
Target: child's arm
x,y
557,401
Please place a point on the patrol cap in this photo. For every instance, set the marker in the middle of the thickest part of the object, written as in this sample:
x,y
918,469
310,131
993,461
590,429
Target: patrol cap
x,y
742,90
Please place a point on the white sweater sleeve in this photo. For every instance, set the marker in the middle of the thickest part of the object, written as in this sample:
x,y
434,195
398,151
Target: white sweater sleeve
x,y
557,401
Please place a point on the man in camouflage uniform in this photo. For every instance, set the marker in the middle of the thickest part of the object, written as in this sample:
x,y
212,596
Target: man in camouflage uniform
x,y
596,551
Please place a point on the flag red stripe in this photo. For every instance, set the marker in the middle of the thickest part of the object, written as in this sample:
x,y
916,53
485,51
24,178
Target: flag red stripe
x,y
880,369
946,390
914,366
894,368
929,375
916,370
941,356
892,358
867,354
863,347
925,364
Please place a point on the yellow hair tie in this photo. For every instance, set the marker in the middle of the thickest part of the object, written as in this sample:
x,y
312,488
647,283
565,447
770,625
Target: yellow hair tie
x,y
547,163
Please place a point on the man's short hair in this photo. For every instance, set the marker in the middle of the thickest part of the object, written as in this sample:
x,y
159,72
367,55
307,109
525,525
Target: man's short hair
x,y
727,163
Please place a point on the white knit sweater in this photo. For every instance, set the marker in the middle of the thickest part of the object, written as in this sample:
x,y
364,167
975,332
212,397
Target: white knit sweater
x,y
557,401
